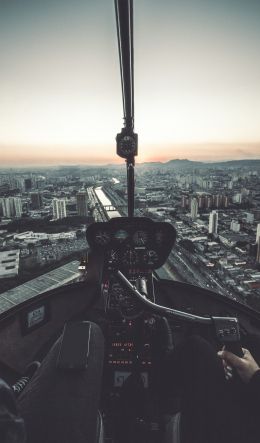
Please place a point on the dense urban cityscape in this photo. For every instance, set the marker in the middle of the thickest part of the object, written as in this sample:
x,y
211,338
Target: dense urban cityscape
x,y
215,209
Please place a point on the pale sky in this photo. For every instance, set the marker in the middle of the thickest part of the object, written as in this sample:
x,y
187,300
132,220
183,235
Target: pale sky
x,y
197,80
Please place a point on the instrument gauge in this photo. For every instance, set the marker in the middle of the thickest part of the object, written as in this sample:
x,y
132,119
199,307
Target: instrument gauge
x,y
130,257
121,235
140,238
150,257
127,144
102,238
113,258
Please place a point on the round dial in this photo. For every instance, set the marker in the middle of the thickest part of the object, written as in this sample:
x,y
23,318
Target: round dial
x,y
140,238
121,235
102,238
127,144
150,257
113,257
130,257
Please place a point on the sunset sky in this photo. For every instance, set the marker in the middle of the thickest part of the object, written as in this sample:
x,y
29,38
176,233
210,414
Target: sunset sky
x,y
197,80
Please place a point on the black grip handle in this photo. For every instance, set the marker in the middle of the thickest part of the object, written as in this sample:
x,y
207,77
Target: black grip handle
x,y
235,348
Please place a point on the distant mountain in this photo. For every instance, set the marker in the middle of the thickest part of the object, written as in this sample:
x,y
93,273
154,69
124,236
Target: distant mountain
x,y
176,164
254,163
183,164
152,164
179,161
179,164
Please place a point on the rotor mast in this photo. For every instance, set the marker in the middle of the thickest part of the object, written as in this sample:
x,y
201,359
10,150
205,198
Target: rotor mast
x,y
127,140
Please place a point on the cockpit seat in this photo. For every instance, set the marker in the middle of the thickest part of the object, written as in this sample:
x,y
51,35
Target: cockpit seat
x,y
173,429
62,406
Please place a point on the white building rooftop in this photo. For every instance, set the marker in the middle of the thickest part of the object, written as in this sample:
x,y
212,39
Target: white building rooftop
x,y
9,263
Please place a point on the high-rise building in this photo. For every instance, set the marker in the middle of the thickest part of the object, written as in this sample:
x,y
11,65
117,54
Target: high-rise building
x,y
194,208
36,200
235,226
11,206
237,198
209,201
59,208
20,184
82,203
184,201
258,253
201,202
207,184
226,201
217,200
257,240
6,207
249,217
17,203
28,184
245,192
213,222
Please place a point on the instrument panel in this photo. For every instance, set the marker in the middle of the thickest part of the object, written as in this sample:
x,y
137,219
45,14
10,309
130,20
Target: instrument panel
x,y
136,242
120,299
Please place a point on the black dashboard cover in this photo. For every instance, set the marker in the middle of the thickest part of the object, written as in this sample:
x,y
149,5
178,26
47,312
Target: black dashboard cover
x,y
133,234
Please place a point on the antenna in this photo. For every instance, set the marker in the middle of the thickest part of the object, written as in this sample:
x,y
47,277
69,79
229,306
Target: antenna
x,y
127,140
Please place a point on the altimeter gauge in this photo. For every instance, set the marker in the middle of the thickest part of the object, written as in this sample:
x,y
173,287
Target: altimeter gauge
x,y
130,258
151,257
140,238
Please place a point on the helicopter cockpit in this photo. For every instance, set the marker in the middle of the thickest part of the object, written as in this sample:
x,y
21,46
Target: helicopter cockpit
x,y
143,318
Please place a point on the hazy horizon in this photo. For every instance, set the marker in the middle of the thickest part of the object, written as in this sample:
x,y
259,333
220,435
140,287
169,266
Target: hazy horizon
x,y
197,81
241,154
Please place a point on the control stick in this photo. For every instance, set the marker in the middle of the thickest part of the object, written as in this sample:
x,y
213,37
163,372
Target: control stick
x,y
226,328
228,333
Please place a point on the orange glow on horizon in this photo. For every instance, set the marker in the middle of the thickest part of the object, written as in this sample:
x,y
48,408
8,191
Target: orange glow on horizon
x,y
100,155
60,88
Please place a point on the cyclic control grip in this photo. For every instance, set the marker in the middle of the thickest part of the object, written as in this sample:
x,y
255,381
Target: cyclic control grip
x,y
228,334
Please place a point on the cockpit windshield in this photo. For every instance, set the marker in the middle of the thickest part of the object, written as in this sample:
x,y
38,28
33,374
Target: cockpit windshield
x,y
197,113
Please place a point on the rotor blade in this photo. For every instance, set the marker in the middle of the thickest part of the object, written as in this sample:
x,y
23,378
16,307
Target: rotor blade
x,y
124,21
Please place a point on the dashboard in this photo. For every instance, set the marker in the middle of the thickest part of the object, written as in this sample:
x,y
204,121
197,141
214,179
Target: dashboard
x,y
132,243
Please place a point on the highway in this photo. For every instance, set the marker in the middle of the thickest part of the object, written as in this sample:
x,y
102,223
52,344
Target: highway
x,y
99,213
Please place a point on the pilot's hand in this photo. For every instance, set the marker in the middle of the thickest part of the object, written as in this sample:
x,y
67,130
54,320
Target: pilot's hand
x,y
245,366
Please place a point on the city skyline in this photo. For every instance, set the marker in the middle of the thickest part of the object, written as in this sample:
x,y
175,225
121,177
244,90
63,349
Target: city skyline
x,y
240,154
216,212
60,83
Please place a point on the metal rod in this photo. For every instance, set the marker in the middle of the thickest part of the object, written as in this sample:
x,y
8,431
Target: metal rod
x,y
164,310
131,187
124,22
